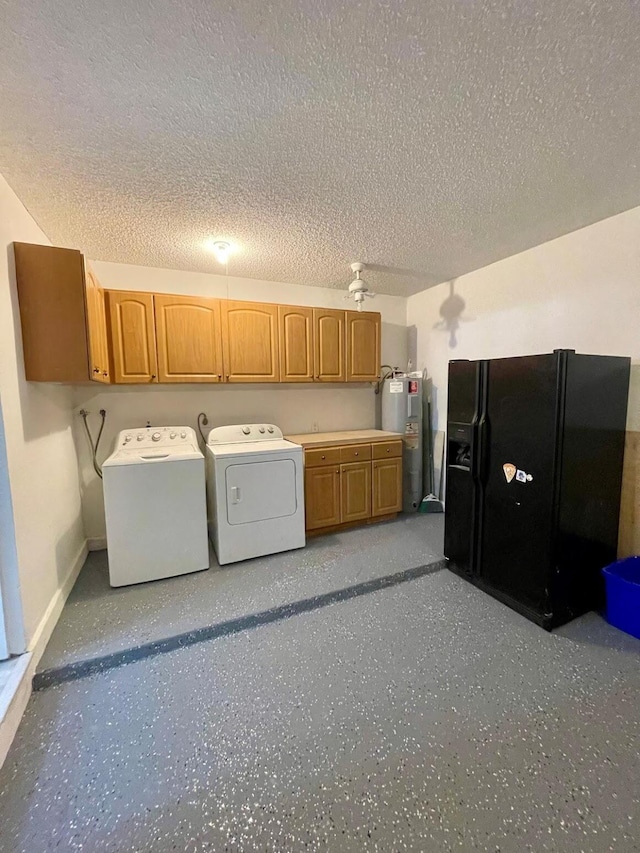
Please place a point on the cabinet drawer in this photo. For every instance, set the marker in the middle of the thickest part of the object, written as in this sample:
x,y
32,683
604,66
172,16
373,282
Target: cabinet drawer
x,y
355,453
386,449
322,456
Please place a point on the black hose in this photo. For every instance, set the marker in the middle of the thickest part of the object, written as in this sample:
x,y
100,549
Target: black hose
x,y
94,447
205,421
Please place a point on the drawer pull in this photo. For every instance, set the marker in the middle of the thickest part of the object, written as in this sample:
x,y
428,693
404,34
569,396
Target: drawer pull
x,y
388,450
323,456
356,452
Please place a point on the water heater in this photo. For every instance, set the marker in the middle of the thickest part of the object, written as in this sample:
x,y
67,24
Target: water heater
x,y
402,412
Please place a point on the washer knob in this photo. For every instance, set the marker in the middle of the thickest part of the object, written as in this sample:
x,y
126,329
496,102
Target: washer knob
x,y
127,438
246,430
183,434
155,436
139,436
261,429
173,435
269,429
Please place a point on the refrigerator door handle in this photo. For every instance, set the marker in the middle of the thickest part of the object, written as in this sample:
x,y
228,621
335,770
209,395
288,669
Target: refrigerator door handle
x,y
481,450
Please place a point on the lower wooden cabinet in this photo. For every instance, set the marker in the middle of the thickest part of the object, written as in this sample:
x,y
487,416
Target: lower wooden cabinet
x,y
348,492
387,486
322,496
355,491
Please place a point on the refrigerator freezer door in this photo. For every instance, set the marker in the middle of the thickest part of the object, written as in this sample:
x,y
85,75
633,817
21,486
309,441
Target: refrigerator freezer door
x,y
518,524
462,403
463,501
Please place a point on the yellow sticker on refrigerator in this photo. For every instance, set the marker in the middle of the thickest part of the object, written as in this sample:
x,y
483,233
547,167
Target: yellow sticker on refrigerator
x,y
509,471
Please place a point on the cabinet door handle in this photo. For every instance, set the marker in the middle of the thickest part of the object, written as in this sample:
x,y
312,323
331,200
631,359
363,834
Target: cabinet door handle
x,y
153,376
219,376
96,370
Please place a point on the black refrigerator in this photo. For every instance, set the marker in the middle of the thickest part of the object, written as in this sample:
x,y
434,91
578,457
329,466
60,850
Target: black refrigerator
x,y
535,447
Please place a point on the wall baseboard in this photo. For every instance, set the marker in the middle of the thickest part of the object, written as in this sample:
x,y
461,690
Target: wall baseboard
x,y
97,543
15,696
20,680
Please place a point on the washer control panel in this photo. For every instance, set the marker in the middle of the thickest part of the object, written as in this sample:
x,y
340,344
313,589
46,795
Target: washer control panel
x,y
244,432
157,437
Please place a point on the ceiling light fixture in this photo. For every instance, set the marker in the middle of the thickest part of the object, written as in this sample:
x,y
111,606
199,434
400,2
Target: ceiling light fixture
x,y
358,288
221,249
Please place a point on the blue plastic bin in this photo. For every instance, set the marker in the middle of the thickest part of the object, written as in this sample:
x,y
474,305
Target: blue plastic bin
x,y
622,583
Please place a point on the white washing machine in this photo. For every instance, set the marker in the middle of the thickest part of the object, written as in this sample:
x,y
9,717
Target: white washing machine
x,y
155,505
255,492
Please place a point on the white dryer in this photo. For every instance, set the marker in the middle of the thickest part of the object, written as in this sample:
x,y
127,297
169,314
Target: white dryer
x,y
155,505
255,492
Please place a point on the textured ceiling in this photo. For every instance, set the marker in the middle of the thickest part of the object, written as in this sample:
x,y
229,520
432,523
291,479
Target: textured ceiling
x,y
434,136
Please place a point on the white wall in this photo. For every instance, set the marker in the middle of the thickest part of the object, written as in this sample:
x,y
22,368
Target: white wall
x,y
43,476
581,292
295,408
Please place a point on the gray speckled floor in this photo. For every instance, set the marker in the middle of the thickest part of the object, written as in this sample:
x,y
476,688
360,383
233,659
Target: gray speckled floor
x,y
98,620
425,717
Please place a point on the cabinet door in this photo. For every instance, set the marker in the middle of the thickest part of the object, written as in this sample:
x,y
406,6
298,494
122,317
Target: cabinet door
x,y
53,313
355,487
322,496
250,342
295,327
132,336
329,331
96,327
363,346
387,486
189,338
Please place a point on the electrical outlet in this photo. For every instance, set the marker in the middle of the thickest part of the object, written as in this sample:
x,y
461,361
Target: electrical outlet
x,y
314,427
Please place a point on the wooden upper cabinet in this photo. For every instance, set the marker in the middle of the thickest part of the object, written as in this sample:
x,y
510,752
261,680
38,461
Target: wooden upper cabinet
x,y
329,333
96,327
295,327
189,338
73,331
53,313
132,336
250,342
363,346
387,486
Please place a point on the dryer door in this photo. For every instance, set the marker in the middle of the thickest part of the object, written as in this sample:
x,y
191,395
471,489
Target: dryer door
x,y
258,491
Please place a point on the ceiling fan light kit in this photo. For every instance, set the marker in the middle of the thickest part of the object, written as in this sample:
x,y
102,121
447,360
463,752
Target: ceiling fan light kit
x,y
358,288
